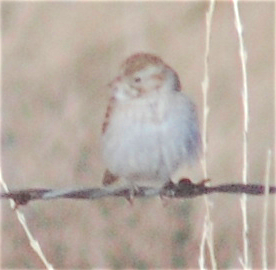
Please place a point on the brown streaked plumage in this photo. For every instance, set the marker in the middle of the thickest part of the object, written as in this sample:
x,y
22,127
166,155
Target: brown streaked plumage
x,y
139,61
108,113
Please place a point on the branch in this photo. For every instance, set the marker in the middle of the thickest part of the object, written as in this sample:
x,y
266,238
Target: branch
x,y
183,189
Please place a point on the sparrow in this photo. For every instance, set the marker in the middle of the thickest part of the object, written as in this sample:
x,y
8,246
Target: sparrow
x,y
150,127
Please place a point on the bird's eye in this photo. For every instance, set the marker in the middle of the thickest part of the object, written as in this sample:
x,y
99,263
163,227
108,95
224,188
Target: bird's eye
x,y
137,79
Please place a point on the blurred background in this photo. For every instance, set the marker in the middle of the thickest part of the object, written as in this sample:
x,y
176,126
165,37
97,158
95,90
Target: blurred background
x,y
57,59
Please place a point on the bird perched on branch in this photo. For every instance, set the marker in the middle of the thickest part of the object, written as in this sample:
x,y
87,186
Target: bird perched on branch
x,y
150,126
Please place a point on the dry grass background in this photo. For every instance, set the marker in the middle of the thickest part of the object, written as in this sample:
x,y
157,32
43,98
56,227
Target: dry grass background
x,y
57,59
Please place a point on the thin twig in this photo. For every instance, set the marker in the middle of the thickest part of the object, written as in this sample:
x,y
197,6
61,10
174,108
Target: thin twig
x,y
205,88
201,259
21,218
243,57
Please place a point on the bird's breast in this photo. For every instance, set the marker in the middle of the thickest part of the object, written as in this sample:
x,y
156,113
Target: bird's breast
x,y
150,137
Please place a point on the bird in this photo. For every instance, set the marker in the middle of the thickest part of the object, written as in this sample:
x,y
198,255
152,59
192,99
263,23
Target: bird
x,y
150,127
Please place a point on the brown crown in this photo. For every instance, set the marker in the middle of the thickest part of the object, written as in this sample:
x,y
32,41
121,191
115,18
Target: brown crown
x,y
139,61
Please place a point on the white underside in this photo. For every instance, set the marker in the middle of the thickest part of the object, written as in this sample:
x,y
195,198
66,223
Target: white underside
x,y
148,139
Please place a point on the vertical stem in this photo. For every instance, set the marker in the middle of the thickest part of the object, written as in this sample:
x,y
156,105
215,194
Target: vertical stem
x,y
208,226
243,57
